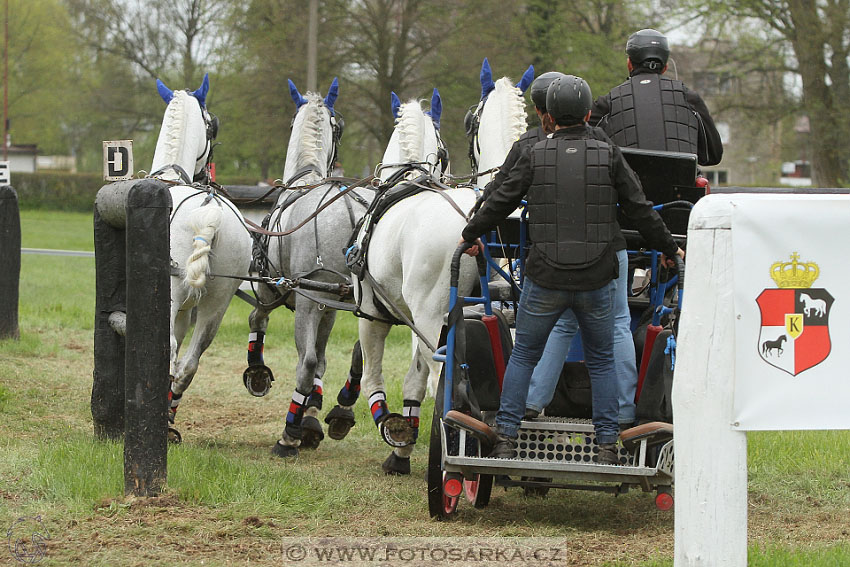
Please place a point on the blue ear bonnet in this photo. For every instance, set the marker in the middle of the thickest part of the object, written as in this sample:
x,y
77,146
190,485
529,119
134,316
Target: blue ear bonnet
x,y
436,108
166,93
296,96
395,104
487,84
330,99
526,80
200,94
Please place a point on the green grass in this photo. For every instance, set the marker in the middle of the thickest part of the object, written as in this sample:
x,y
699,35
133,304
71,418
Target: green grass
x,y
57,229
228,499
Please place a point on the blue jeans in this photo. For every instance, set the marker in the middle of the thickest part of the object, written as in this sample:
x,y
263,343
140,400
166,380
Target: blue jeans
x,y
539,310
541,391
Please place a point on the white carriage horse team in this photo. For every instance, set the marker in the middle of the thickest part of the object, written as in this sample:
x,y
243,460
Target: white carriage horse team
x,y
400,264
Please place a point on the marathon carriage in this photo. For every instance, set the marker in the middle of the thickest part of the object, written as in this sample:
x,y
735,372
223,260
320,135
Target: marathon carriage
x,y
557,449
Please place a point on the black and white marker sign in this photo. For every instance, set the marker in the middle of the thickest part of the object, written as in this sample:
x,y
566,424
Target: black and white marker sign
x,y
4,174
117,160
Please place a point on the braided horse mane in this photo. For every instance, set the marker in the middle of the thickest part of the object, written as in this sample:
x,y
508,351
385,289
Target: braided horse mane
x,y
314,141
410,123
181,138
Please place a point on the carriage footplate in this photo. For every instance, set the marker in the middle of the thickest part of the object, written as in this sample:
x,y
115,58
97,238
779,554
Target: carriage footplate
x,y
258,379
396,430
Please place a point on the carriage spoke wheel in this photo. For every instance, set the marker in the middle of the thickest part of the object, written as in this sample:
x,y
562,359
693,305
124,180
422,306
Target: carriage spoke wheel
x,y
478,489
440,506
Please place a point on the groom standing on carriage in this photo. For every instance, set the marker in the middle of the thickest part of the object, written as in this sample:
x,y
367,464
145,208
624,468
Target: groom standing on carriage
x,y
573,184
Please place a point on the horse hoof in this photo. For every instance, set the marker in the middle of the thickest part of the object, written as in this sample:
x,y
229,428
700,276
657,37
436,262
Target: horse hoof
x,y
340,421
311,432
258,380
396,465
396,431
174,436
284,451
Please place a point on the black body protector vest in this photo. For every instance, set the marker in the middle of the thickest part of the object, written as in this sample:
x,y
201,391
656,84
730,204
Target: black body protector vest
x,y
572,201
531,136
650,112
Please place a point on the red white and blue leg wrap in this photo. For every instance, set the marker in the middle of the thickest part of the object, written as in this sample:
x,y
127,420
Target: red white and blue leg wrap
x,y
378,406
351,391
294,415
411,411
315,400
255,348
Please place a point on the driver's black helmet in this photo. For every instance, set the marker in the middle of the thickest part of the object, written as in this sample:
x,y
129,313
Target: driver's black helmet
x,y
568,99
647,46
539,86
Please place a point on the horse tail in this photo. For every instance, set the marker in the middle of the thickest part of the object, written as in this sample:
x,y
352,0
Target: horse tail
x,y
204,222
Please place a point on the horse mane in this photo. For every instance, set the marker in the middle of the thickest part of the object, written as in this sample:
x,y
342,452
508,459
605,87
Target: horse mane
x,y
410,132
175,123
311,150
514,108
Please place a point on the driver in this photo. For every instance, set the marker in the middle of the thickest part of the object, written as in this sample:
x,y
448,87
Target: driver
x,y
573,183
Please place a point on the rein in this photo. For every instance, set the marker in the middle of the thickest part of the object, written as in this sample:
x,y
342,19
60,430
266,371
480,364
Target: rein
x,y
367,181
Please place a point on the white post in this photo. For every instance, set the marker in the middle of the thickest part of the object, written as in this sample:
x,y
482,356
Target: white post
x,y
711,458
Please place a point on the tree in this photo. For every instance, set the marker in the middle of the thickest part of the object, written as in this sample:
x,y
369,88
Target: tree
x,y
817,32
39,84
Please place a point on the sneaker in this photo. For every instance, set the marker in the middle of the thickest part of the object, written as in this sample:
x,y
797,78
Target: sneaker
x,y
608,454
504,448
531,414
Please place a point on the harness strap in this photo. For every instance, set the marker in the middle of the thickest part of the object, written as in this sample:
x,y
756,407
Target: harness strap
x,y
184,177
439,191
382,294
257,228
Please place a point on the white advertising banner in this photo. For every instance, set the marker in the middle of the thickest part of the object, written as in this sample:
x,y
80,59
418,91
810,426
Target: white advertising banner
x,y
792,311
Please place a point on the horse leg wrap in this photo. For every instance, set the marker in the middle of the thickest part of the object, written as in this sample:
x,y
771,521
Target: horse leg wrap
x,y
255,348
347,397
410,411
394,428
315,400
173,402
292,430
257,377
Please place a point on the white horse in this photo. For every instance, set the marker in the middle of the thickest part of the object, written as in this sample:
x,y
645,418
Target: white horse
x,y
500,119
312,252
208,233
408,264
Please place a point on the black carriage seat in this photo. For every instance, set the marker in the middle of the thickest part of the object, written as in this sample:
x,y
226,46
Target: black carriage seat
x,y
666,177
480,355
478,429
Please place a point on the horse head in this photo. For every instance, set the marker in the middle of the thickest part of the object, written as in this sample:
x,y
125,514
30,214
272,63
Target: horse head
x,y
185,142
498,119
315,132
416,137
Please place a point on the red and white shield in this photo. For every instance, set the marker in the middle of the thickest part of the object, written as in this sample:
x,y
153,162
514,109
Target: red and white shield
x,y
794,328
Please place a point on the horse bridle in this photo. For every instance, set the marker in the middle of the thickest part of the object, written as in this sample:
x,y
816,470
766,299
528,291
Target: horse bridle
x,y
472,121
211,124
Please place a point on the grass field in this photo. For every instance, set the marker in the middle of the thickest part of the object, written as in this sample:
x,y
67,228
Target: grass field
x,y
230,502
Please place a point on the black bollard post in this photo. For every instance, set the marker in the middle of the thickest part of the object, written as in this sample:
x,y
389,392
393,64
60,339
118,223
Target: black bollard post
x,y
107,394
10,262
147,339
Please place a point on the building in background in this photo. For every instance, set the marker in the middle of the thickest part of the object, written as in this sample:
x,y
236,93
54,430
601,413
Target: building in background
x,y
751,111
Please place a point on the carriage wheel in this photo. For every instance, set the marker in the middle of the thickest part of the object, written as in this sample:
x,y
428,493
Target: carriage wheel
x,y
478,489
440,506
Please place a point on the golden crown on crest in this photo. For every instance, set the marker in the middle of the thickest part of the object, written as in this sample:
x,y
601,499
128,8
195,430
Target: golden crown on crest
x,y
794,274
